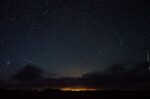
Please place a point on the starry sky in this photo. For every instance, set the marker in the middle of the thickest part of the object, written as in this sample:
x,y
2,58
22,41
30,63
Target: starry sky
x,y
73,37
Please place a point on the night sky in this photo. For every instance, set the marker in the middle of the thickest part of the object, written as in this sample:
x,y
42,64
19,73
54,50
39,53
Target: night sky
x,y
73,37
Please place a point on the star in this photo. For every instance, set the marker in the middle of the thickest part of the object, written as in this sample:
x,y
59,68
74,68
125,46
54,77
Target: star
x,y
121,42
8,63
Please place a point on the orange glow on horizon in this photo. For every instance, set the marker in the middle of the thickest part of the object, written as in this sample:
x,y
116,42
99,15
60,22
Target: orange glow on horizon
x,y
78,89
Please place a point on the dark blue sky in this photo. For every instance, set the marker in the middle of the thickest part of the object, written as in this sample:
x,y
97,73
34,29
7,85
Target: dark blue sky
x,y
73,37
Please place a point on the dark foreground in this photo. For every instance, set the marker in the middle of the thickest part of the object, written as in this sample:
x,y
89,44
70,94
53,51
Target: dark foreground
x,y
56,94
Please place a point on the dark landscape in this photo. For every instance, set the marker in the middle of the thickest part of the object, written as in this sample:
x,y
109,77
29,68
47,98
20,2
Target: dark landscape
x,y
57,94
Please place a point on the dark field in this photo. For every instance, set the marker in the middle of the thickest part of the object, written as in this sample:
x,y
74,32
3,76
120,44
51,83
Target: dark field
x,y
56,94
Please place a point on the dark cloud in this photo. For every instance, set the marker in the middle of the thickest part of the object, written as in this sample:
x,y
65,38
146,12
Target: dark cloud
x,y
120,77
117,76
28,73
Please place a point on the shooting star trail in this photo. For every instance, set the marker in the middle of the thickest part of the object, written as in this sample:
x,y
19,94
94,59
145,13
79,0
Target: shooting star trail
x,y
148,60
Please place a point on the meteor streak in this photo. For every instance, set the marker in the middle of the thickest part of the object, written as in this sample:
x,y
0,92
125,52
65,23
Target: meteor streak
x,y
148,59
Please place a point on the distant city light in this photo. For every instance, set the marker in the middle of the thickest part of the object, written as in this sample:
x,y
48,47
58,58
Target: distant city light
x,y
78,89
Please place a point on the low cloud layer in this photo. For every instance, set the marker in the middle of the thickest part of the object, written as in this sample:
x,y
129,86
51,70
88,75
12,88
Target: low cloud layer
x,y
117,76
